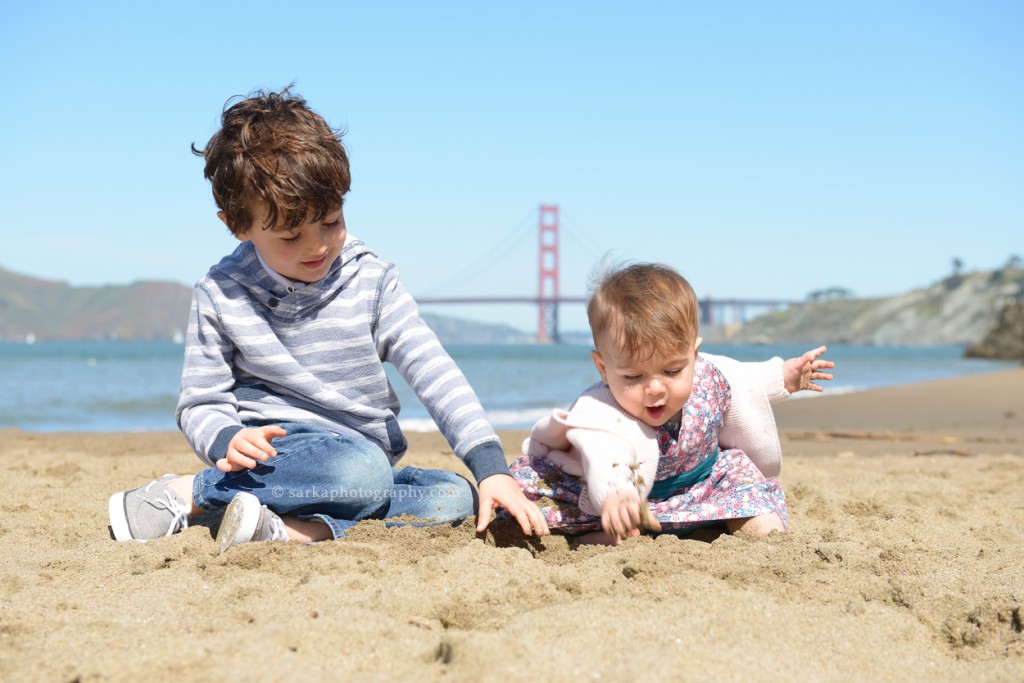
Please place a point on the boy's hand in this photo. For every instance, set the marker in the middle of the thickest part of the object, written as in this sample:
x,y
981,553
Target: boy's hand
x,y
250,447
799,373
620,515
501,490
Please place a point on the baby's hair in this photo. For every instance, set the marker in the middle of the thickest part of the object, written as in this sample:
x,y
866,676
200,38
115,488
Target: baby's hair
x,y
646,308
272,148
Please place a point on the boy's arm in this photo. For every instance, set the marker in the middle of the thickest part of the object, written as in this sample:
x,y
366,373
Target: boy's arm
x,y
207,411
405,340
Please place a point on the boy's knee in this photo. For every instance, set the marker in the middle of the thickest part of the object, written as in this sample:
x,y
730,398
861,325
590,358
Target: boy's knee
x,y
438,495
456,497
361,469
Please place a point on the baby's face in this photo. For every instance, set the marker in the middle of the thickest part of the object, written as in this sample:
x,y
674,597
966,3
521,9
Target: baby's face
x,y
653,390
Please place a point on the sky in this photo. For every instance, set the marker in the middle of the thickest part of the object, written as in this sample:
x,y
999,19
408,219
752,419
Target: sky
x,y
764,150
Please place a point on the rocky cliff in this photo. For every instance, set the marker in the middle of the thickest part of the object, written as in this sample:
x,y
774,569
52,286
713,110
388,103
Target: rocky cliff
x,y
1006,338
960,309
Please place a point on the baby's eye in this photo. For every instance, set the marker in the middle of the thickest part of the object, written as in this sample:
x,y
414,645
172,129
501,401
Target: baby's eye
x,y
632,378
672,373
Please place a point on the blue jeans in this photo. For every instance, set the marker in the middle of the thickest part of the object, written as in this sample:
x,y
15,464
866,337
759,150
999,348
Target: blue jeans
x,y
339,480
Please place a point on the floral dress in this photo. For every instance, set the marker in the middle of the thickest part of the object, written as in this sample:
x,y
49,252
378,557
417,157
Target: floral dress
x,y
733,489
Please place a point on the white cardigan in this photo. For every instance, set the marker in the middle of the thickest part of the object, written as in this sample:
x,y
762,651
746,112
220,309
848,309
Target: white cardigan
x,y
611,450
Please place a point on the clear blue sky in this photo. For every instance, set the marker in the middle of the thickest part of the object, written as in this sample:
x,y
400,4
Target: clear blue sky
x,y
763,149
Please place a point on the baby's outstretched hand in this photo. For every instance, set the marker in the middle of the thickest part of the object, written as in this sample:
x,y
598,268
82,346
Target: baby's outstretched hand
x,y
249,447
801,373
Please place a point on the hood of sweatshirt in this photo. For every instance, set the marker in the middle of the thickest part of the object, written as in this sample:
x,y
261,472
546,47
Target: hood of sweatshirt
x,y
244,269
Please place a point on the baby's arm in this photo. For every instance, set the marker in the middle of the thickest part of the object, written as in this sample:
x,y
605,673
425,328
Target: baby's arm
x,y
749,423
799,373
620,456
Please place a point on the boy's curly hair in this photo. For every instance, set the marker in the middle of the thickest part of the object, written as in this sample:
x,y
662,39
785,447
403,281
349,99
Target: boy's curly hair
x,y
272,148
646,308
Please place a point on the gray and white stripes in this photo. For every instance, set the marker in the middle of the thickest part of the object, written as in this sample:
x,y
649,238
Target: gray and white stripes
x,y
258,355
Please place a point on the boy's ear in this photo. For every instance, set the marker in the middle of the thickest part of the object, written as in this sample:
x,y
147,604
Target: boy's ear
x,y
227,221
595,356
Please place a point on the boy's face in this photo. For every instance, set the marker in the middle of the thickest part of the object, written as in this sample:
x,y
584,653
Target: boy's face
x,y
305,253
653,391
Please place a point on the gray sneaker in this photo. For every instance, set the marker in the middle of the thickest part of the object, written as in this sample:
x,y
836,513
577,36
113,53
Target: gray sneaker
x,y
148,512
246,519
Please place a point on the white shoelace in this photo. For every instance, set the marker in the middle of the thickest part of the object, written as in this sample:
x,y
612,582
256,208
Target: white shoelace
x,y
173,504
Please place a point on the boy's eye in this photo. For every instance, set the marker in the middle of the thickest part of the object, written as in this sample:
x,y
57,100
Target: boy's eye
x,y
332,226
292,239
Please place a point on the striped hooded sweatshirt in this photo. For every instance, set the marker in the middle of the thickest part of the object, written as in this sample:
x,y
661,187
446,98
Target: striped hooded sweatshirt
x,y
257,354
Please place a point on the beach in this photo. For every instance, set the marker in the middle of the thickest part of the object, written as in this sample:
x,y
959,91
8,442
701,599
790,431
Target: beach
x,y
905,562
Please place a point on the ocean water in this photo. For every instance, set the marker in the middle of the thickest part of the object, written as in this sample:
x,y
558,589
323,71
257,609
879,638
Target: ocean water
x,y
133,386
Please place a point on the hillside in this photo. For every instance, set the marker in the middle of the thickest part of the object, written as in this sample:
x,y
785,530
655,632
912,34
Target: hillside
x,y
150,311
45,309
960,309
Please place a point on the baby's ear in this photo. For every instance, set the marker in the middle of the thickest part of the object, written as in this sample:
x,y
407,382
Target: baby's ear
x,y
595,356
696,345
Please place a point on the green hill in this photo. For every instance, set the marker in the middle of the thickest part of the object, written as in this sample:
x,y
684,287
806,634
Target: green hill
x,y
46,309
150,311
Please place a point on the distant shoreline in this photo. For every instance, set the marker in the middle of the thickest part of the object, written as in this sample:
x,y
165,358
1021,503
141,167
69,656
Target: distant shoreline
x,y
859,403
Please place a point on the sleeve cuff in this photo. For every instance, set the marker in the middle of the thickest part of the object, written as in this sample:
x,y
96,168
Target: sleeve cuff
x,y
772,379
219,448
485,460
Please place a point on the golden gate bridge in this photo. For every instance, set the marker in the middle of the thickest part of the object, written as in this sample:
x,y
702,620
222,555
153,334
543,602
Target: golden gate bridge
x,y
549,298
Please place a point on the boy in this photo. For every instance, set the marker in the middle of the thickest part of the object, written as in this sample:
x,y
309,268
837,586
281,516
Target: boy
x,y
283,390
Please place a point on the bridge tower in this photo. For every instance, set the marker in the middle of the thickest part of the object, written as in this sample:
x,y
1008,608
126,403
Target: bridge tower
x,y
547,290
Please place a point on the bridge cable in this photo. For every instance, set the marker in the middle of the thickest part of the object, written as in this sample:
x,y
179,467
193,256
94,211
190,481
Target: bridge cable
x,y
487,261
582,239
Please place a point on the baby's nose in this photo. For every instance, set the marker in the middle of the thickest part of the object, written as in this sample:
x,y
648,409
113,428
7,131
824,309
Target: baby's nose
x,y
655,386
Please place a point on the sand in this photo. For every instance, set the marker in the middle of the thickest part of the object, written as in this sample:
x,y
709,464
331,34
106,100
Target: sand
x,y
905,563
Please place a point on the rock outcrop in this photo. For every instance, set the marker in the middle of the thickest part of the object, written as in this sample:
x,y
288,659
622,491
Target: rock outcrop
x,y
959,310
1006,339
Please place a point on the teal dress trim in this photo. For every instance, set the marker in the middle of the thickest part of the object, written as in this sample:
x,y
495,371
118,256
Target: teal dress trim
x,y
663,488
